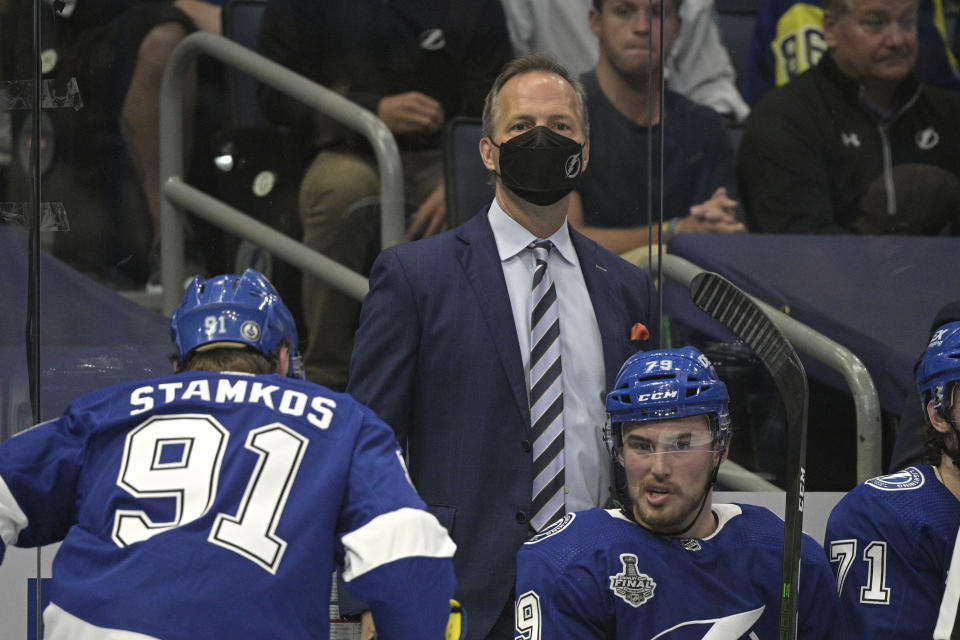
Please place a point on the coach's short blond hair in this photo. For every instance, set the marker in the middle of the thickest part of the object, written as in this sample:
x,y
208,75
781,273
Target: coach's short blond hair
x,y
528,64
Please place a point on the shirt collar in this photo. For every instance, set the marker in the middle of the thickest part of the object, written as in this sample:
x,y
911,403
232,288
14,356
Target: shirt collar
x,y
512,237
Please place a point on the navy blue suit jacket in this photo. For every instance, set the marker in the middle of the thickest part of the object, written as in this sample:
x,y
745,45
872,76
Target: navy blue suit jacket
x,y
437,357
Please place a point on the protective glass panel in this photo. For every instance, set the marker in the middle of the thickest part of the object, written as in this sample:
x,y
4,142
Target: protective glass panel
x,y
80,201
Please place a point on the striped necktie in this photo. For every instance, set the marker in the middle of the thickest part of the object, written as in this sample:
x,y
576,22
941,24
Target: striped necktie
x,y
546,394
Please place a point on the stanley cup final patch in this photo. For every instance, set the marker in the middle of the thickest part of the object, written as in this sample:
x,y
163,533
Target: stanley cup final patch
x,y
630,585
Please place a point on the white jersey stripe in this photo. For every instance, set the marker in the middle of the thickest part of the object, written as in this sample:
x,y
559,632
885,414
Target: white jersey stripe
x,y
61,625
951,596
404,533
12,518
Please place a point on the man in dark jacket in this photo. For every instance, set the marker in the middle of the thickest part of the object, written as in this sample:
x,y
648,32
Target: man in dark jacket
x,y
413,63
856,144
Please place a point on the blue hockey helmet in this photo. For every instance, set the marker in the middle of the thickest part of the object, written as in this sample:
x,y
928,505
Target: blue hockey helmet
x,y
234,309
667,384
939,366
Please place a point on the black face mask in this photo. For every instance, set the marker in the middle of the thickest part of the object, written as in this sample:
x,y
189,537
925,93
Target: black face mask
x,y
540,165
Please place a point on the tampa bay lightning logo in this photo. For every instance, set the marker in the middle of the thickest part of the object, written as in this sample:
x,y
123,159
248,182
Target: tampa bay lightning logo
x,y
630,585
906,480
927,139
553,529
572,166
433,40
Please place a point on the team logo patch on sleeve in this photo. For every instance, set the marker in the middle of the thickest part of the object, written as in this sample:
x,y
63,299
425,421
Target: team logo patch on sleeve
x,y
553,529
630,585
909,478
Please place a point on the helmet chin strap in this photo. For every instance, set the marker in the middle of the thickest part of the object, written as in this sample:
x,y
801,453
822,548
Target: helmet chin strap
x,y
948,409
955,453
679,532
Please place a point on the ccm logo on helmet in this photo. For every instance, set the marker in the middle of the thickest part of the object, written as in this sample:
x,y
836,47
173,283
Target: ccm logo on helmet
x,y
657,395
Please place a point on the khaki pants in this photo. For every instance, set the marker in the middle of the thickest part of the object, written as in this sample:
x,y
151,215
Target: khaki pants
x,y
342,221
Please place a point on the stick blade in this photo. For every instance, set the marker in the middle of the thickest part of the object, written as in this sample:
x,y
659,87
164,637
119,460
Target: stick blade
x,y
733,308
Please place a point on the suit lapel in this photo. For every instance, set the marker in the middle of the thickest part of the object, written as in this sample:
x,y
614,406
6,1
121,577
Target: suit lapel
x,y
477,253
613,327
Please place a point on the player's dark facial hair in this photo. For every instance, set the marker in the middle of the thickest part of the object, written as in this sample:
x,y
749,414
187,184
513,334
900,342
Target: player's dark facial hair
x,y
951,392
628,510
541,166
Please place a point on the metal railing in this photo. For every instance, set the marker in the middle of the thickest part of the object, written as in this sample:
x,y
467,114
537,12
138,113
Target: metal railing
x,y
826,351
178,194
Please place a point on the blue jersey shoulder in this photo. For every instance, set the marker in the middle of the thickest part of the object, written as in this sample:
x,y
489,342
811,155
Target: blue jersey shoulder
x,y
906,503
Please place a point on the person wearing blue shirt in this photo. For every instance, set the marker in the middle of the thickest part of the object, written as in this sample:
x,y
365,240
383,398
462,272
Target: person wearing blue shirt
x,y
894,539
614,205
216,502
452,353
669,563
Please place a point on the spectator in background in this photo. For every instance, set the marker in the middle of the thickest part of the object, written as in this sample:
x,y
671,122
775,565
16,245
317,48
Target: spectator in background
x,y
856,144
447,344
697,158
698,66
895,538
413,63
788,40
108,57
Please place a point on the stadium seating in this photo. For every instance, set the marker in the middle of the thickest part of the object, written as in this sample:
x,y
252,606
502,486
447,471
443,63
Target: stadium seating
x,y
466,180
241,23
736,19
251,152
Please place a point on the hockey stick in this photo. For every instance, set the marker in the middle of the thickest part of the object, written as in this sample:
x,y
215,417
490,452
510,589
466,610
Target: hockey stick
x,y
736,311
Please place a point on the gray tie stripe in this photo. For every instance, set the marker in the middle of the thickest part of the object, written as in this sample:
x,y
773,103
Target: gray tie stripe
x,y
546,394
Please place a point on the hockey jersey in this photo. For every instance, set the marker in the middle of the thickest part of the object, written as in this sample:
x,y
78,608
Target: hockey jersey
x,y
206,505
788,39
893,541
597,574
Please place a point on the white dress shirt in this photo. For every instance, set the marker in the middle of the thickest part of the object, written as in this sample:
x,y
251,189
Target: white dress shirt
x,y
586,459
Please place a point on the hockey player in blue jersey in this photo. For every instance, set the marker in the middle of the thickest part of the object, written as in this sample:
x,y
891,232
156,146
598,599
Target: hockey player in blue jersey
x,y
216,502
894,539
670,564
